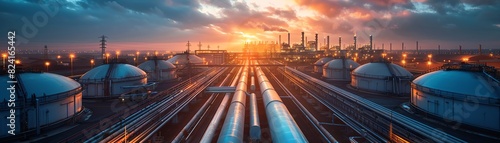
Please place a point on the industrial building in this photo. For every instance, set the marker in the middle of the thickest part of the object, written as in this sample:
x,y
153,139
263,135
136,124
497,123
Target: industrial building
x,y
383,77
158,70
111,80
318,65
41,100
463,93
339,69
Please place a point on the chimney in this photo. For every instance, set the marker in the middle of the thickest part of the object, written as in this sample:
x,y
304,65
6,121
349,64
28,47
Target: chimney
x,y
316,40
383,46
459,49
327,42
403,46
279,40
417,47
371,43
303,44
390,47
340,43
355,43
439,49
480,52
288,39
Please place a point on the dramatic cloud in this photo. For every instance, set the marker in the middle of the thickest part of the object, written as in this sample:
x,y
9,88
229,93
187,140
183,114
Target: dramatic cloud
x,y
168,24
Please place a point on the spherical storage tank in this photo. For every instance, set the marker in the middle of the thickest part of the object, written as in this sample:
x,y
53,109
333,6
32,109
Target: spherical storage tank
x,y
339,69
59,98
466,97
158,70
383,77
318,65
110,80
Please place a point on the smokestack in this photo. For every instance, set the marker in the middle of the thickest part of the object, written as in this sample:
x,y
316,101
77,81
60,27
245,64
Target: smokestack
x,y
383,46
439,49
459,49
303,39
403,46
279,40
340,43
355,42
390,47
417,47
316,39
371,43
480,52
289,39
327,42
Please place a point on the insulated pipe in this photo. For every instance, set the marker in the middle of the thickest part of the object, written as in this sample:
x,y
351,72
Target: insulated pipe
x,y
233,128
214,123
255,131
252,83
282,126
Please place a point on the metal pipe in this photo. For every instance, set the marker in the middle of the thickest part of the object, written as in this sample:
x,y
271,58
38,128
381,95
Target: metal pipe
x,y
233,128
282,126
255,131
252,83
210,132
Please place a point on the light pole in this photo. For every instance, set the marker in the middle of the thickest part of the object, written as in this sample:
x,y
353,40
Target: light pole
x,y
136,61
47,66
107,58
71,56
429,66
91,63
117,54
3,60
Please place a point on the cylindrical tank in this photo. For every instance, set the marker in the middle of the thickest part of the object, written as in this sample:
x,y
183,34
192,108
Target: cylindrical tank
x,y
466,97
383,77
318,65
59,98
158,70
108,80
339,69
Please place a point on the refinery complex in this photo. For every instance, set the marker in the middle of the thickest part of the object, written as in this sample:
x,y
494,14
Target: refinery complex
x,y
279,91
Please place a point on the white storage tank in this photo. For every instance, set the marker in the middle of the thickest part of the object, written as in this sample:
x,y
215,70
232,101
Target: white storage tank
x,y
461,95
318,65
111,80
158,70
181,60
59,99
383,77
339,69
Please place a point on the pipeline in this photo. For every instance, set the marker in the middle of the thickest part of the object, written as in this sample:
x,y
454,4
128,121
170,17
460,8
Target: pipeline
x,y
281,123
233,128
214,123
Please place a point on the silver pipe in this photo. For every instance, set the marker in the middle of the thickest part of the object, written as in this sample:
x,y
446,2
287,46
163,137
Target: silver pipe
x,y
210,132
282,126
233,128
255,131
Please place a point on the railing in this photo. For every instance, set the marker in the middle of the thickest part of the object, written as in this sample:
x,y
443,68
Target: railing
x,y
456,96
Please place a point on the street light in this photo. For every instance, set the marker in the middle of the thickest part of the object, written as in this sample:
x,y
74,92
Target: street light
x,y
117,54
91,63
3,59
429,65
430,57
107,58
47,65
71,56
136,61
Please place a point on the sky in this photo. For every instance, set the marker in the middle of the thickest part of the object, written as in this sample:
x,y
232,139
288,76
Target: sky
x,y
169,24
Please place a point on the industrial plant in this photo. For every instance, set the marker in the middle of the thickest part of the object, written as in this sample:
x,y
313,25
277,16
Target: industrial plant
x,y
268,92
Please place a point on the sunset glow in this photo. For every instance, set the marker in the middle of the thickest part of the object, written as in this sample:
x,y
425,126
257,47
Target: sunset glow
x,y
168,25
